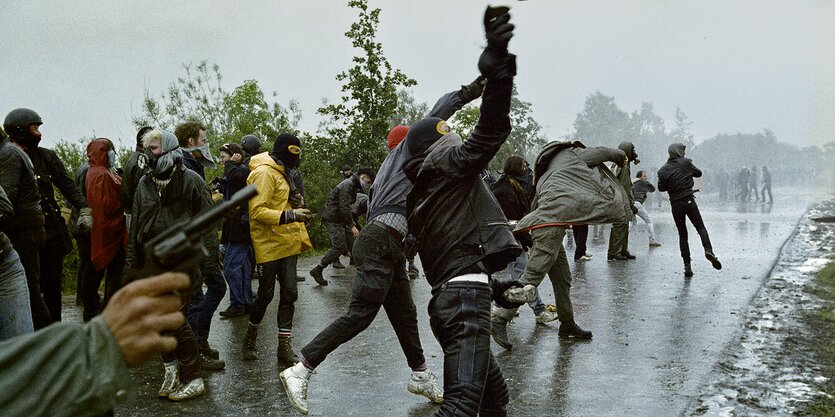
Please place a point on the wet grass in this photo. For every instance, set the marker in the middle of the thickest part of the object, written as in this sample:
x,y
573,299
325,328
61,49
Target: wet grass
x,y
824,322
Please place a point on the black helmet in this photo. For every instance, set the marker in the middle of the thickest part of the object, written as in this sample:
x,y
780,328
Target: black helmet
x,y
18,120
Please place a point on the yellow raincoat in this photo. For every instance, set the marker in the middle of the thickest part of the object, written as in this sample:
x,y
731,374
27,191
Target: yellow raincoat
x,y
271,240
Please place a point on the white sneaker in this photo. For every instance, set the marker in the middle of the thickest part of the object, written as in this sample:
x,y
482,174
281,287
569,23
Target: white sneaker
x,y
426,384
545,317
192,389
583,258
295,380
524,294
171,382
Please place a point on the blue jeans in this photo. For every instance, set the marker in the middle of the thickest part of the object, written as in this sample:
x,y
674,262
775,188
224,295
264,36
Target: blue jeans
x,y
238,273
203,306
15,314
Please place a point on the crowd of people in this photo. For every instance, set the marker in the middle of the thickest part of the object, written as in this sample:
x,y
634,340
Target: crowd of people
x,y
430,197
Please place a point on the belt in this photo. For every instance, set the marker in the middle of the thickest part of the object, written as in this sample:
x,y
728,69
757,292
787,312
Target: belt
x,y
390,230
479,277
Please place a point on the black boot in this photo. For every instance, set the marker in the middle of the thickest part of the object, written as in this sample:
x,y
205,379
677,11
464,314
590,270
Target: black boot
x,y
205,349
316,273
688,272
570,330
713,259
249,352
285,352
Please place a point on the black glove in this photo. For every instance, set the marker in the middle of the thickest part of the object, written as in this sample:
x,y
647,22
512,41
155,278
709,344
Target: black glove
x,y
473,90
634,209
499,286
495,62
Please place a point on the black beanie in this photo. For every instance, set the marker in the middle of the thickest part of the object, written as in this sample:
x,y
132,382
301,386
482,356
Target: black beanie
x,y
423,134
141,133
282,149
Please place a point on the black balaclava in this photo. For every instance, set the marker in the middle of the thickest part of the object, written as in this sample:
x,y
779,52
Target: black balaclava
x,y
424,133
676,150
251,144
287,149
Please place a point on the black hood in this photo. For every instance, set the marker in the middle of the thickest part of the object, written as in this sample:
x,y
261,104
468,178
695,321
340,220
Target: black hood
x,y
629,149
676,150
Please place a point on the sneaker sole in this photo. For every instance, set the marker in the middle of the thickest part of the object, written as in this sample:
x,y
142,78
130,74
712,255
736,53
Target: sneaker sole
x,y
286,391
572,336
417,391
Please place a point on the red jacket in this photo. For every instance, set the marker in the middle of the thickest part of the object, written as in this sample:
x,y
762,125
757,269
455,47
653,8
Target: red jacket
x,y
103,186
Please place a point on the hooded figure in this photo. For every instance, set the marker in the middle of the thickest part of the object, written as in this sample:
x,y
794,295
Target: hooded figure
x,y
287,150
103,185
162,164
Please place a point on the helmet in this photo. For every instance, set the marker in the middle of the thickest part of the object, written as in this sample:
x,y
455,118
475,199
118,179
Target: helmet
x,y
18,120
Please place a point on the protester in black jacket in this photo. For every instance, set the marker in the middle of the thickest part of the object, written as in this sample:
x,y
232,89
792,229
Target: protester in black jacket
x,y
14,297
132,173
676,178
336,214
463,236
235,234
26,230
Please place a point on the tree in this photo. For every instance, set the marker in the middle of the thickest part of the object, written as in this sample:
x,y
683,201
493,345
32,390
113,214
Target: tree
x,y
408,109
525,138
601,122
228,115
681,133
359,123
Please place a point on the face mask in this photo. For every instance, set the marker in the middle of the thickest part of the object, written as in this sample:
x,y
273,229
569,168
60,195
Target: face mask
x,y
203,155
111,159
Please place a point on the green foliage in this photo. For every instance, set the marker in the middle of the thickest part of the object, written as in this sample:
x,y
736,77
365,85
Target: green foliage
x,y
408,110
824,326
601,123
358,124
200,96
72,154
525,140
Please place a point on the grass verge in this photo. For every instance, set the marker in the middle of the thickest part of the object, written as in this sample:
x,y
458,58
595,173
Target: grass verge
x,y
824,323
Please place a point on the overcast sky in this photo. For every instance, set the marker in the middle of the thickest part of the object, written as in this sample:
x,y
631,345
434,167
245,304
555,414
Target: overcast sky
x,y
732,66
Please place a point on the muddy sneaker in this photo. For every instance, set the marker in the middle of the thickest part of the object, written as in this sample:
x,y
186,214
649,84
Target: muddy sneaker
x,y
713,259
545,317
654,244
316,273
498,328
688,272
171,382
192,389
426,384
294,379
570,330
521,295
584,258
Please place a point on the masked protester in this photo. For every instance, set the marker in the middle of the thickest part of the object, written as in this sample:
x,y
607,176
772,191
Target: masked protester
x,y
336,214
278,232
168,194
191,137
462,235
619,235
26,229
235,235
108,236
132,173
380,280
676,178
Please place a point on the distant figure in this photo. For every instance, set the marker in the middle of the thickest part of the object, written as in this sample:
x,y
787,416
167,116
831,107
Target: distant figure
x,y
640,188
742,184
767,185
722,180
676,178
752,185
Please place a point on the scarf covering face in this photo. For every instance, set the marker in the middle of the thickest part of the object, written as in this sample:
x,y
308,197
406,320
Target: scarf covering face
x,y
203,155
166,162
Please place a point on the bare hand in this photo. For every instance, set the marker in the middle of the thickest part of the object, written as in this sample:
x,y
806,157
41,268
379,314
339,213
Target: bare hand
x,y
355,231
138,314
237,158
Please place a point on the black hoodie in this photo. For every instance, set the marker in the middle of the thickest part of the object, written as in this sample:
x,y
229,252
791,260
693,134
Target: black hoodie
x,y
676,176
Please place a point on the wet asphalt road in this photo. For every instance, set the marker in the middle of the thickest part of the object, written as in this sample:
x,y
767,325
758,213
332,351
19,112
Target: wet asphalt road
x,y
656,335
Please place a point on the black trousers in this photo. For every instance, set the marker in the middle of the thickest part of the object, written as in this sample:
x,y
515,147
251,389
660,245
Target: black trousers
x,y
380,281
52,274
473,383
92,280
339,243
28,243
288,294
581,236
683,209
